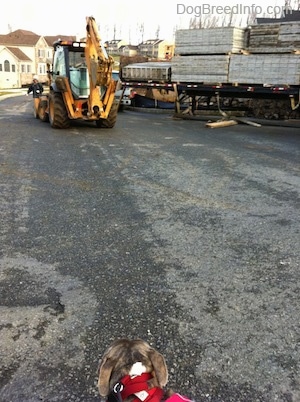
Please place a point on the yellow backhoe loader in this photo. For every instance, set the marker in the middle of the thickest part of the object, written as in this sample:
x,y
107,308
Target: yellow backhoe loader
x,y
81,83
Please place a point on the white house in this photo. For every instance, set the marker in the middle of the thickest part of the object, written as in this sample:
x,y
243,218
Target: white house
x,y
157,48
22,55
129,50
114,46
15,67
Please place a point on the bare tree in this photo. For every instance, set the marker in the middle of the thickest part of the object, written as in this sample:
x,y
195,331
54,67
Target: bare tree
x,y
231,20
120,32
204,21
211,21
157,32
287,4
193,23
251,19
141,28
175,28
296,5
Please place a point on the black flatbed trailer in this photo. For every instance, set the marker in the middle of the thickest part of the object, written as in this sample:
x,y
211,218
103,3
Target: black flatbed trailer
x,y
190,93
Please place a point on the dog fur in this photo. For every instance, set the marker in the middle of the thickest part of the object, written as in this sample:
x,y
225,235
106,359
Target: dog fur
x,y
119,358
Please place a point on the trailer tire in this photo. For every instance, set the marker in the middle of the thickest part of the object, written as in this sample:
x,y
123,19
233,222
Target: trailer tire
x,y
58,115
111,119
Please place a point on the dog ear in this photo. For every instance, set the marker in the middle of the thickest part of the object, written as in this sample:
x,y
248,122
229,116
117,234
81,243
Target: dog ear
x,y
160,367
105,369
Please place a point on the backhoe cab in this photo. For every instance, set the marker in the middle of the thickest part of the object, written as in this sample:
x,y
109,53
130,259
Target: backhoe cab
x,y
81,83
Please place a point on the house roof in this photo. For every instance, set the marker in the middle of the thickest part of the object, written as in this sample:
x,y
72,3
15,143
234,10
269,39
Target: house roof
x,y
152,41
130,47
22,32
19,37
18,53
51,39
113,41
22,37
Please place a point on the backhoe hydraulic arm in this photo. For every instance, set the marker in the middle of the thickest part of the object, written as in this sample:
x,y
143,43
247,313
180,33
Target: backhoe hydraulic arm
x,y
99,64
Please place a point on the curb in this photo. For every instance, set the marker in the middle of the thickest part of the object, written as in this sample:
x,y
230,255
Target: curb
x,y
11,95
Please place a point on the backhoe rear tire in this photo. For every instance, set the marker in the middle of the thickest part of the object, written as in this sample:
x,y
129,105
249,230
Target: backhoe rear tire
x,y
58,115
112,117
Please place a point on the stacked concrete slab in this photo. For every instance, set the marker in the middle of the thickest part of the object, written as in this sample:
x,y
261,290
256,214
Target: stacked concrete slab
x,y
274,38
203,55
272,56
263,54
201,68
222,40
272,69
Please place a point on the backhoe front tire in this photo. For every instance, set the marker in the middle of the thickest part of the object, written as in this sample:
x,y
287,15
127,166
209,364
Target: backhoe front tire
x,y
43,112
112,117
36,104
58,115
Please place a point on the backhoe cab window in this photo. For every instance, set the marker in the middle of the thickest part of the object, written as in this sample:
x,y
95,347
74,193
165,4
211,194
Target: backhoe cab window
x,y
79,78
59,67
77,59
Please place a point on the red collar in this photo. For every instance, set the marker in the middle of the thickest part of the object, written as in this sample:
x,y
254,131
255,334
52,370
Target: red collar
x,y
137,384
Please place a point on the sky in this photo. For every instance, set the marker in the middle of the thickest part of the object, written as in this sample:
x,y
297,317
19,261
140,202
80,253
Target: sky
x,y
131,20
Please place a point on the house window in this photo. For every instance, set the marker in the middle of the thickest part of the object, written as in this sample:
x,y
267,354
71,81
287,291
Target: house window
x,y
6,66
13,68
41,53
42,68
1,67
28,68
23,68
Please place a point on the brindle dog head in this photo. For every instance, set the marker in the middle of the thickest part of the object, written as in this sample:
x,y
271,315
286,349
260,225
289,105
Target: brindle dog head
x,y
119,358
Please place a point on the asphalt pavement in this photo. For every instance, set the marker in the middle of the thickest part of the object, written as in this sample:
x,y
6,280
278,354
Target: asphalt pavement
x,y
161,229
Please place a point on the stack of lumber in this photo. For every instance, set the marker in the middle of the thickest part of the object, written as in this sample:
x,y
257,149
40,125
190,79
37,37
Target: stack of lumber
x,y
274,38
221,40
